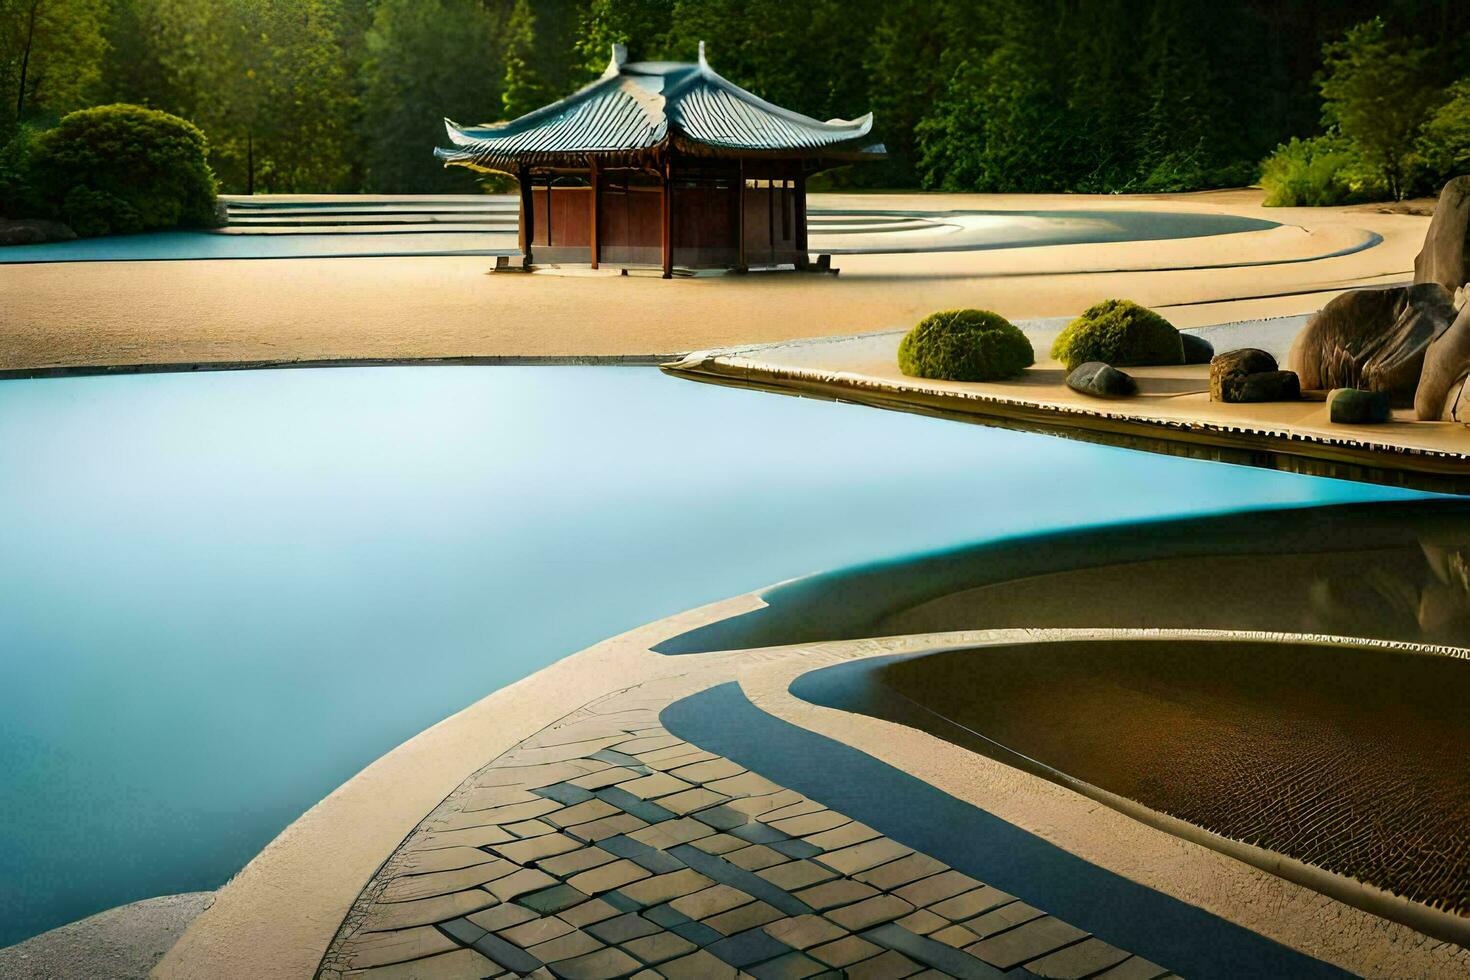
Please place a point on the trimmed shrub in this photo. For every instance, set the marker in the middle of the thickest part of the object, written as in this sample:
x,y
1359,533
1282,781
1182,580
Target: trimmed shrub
x,y
965,345
1121,333
1316,173
116,169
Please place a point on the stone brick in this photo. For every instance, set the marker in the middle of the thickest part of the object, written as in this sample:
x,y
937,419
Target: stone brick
x,y
845,836
861,857
972,903
691,800
746,784
412,887
842,891
850,949
1080,960
574,943
922,922
890,964
698,965
426,911
710,901
654,786
896,874
658,947
755,857
607,962
703,772
584,812
536,931
746,917
574,861
936,888
585,914
381,948
519,883
1026,942
664,888
501,917
797,874
1005,917
802,931
870,912
608,876
547,845
809,823
622,823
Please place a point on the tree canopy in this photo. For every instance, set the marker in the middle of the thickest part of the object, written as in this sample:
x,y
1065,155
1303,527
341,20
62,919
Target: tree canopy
x,y
968,95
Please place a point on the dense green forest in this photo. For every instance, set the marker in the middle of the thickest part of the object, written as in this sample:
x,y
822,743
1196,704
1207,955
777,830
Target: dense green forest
x,y
993,95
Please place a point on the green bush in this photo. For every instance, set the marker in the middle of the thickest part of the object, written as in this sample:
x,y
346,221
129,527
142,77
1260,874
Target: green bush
x,y
116,169
1121,333
965,345
1316,173
1445,141
17,196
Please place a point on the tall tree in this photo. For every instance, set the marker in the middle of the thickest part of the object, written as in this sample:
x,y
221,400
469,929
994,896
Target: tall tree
x,y
50,56
641,25
1376,92
540,61
416,75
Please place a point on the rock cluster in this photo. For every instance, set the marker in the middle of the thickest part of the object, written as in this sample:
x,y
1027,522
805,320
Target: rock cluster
x,y
1411,343
1251,375
1101,380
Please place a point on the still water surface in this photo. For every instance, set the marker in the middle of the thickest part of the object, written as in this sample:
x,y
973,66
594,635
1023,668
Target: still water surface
x,y
223,594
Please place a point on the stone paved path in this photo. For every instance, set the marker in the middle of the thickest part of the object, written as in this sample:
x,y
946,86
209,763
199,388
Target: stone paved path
x,y
604,846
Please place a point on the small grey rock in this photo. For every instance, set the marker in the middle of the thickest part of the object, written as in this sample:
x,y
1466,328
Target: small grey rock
x,y
1197,350
1269,386
1354,406
1101,380
1229,370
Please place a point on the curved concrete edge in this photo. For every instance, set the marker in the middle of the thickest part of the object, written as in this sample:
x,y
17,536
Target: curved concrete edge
x,y
277,916
1289,436
1163,854
122,943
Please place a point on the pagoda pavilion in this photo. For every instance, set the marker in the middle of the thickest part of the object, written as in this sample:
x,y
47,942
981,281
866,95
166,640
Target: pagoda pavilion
x,y
662,165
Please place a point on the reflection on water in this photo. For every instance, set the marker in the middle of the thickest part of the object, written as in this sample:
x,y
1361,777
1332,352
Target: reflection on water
x,y
1420,594
1389,571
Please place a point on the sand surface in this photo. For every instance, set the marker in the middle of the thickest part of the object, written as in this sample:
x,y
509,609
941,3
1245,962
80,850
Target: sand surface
x,y
222,311
120,944
1334,757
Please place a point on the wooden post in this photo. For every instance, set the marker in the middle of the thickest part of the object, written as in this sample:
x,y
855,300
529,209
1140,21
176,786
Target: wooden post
x,y
740,217
528,215
668,219
803,257
596,206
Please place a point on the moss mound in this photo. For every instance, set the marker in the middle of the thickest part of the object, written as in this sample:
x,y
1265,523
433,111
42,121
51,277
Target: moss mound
x,y
1121,333
116,169
965,345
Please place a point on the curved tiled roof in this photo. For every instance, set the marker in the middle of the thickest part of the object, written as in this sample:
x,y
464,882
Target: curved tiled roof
x,y
634,109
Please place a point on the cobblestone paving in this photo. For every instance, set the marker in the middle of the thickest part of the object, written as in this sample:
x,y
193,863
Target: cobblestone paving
x,y
606,847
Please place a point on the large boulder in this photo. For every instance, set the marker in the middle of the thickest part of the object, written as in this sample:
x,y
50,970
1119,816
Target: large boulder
x,y
1102,381
1446,367
1229,370
1445,258
1373,339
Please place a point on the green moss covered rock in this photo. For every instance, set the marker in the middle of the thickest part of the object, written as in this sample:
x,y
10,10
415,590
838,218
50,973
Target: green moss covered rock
x,y
1121,333
965,345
